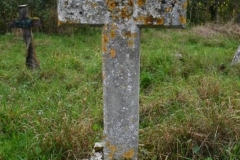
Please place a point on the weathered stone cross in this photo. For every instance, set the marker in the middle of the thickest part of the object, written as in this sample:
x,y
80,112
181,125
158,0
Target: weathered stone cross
x,y
25,23
121,21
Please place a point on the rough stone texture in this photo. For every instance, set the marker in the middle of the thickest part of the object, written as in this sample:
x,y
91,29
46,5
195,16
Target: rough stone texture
x,y
97,156
82,12
236,58
97,151
98,147
121,89
166,13
122,20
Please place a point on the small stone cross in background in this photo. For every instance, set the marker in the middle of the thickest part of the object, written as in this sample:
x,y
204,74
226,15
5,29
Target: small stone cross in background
x,y
236,58
121,21
25,23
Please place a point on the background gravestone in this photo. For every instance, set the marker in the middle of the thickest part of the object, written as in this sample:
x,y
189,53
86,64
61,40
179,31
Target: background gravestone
x,y
236,58
25,23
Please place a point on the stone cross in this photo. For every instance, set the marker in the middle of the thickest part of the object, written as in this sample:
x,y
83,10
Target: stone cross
x,y
121,21
236,58
25,23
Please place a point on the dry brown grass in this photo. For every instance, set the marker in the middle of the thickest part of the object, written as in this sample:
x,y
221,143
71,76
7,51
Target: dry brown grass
x,y
204,31
193,122
205,134
72,136
211,29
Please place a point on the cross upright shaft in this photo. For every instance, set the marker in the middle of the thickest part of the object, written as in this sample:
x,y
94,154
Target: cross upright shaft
x,y
121,21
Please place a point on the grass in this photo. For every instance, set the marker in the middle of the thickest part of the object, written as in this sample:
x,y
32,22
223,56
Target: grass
x,y
189,105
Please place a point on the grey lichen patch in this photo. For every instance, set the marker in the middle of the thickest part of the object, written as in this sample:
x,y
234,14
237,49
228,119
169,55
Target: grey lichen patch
x,y
90,12
129,154
112,150
113,53
160,12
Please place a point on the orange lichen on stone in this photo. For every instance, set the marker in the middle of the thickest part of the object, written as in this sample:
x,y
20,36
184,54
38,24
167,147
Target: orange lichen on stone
x,y
182,20
112,150
104,48
184,6
105,38
127,34
149,19
125,13
160,21
113,29
130,3
130,35
141,2
111,4
139,19
114,26
112,33
112,53
129,154
94,4
130,43
104,42
168,9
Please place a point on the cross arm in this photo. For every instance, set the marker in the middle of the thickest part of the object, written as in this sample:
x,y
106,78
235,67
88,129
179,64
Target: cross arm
x,y
82,12
25,23
165,13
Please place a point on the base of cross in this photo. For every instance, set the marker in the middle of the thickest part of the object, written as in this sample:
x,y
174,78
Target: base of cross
x,y
97,153
31,59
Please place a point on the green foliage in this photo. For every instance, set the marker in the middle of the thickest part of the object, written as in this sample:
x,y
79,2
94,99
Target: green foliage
x,y
202,11
199,12
45,10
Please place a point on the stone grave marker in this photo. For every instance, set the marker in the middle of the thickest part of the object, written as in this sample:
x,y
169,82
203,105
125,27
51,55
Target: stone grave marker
x,y
121,21
236,58
25,23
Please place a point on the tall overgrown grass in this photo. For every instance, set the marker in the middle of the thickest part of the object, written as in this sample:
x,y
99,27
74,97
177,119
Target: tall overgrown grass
x,y
189,100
